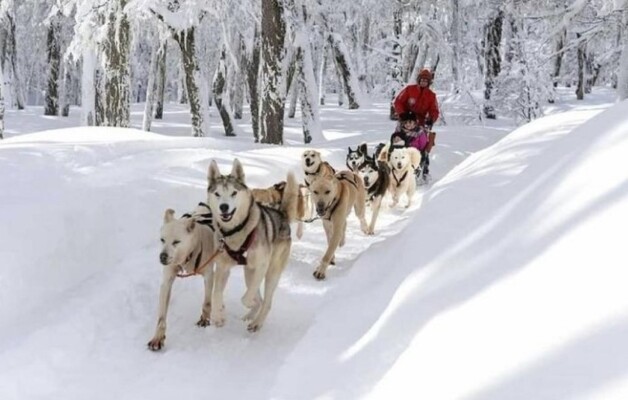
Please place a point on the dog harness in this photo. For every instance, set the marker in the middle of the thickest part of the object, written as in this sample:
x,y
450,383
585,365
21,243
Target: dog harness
x,y
399,180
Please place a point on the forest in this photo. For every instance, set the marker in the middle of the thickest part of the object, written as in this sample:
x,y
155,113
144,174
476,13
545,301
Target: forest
x,y
268,57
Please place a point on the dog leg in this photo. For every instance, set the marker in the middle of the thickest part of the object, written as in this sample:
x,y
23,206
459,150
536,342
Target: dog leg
x,y
410,192
217,315
327,226
300,225
336,236
208,277
375,205
258,269
248,279
359,208
157,342
270,284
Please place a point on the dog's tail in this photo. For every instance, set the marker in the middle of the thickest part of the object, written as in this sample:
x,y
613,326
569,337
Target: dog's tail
x,y
290,198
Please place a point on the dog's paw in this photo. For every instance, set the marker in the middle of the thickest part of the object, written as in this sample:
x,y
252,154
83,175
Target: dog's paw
x,y
250,315
319,275
253,327
370,231
218,319
203,322
156,343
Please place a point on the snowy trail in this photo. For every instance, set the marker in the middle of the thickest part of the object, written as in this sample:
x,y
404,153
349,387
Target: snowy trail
x,y
76,314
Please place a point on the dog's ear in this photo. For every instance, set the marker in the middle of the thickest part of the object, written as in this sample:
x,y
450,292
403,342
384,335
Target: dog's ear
x,y
168,215
213,172
237,171
362,148
190,224
349,149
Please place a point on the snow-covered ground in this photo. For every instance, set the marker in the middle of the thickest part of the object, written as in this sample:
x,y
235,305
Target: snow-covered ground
x,y
505,280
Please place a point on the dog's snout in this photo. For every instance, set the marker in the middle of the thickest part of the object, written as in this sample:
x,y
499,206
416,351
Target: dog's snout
x,y
224,208
399,165
320,208
163,258
366,181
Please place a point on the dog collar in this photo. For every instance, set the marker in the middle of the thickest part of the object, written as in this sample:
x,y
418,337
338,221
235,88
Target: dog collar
x,y
315,172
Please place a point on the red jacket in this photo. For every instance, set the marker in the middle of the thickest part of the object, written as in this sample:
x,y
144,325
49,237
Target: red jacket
x,y
421,101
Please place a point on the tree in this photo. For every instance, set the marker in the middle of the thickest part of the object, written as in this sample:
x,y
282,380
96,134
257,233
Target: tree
x,y
54,61
273,54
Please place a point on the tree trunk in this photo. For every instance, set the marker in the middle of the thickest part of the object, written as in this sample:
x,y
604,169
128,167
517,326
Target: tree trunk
x,y
581,61
117,69
198,108
1,104
238,84
294,96
8,56
252,75
151,89
100,98
395,79
273,53
350,83
161,80
54,63
492,60
68,84
321,74
455,45
221,96
88,88
307,88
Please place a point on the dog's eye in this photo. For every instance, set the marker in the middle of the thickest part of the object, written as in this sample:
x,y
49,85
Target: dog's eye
x,y
216,194
316,192
327,191
162,240
234,193
176,242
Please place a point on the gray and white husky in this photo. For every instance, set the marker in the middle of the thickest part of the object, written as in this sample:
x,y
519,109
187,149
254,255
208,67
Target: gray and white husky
x,y
252,235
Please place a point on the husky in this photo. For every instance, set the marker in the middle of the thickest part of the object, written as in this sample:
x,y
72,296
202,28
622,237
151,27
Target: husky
x,y
252,235
187,248
402,173
272,196
357,157
334,196
376,177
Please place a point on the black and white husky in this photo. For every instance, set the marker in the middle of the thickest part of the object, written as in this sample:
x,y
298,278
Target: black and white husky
x,y
357,157
376,177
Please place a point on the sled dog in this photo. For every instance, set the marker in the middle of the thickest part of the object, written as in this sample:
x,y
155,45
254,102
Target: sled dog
x,y
252,235
187,248
314,166
402,173
357,157
334,196
272,196
376,177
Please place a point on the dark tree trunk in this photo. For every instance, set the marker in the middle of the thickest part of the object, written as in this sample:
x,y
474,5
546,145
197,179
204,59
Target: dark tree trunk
x,y
54,63
187,44
492,60
581,62
219,85
252,75
342,62
117,69
161,81
273,37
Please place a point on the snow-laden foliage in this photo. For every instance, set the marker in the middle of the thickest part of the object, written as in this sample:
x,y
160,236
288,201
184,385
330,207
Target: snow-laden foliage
x,y
358,49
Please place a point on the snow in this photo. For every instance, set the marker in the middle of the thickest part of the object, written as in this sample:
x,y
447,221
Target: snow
x,y
505,279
